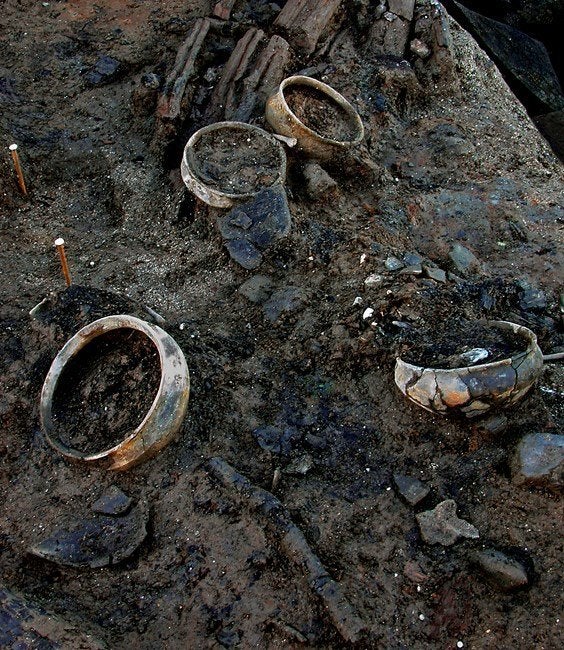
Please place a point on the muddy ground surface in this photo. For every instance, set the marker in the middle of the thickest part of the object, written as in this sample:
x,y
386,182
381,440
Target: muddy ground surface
x,y
290,377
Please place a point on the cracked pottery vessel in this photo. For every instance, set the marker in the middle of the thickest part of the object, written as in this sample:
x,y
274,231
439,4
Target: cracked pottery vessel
x,y
286,123
164,418
217,192
474,390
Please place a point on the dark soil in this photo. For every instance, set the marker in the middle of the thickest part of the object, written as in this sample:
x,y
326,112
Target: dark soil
x,y
106,390
236,161
442,346
320,113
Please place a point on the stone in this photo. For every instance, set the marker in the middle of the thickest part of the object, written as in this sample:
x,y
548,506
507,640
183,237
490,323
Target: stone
x,y
112,502
105,70
403,8
551,125
244,253
419,48
256,289
463,259
412,269
94,541
434,273
539,460
521,57
533,300
274,439
255,225
412,259
495,424
503,572
284,300
374,280
393,264
412,489
318,182
367,313
300,466
442,526
473,356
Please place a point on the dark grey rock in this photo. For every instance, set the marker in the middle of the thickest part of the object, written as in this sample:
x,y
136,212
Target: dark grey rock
x,y
412,269
256,289
504,573
300,465
112,502
532,300
463,259
244,253
412,259
495,424
551,125
284,300
393,264
435,273
539,459
522,57
105,70
412,489
442,526
275,439
94,541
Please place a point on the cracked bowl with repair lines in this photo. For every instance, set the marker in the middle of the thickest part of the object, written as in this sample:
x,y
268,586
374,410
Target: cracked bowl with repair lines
x,y
474,390
229,162
322,121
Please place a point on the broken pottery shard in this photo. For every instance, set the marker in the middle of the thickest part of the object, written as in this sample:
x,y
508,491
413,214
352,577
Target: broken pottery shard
x,y
442,526
304,21
539,459
112,502
523,57
503,572
318,182
434,273
95,542
412,489
244,253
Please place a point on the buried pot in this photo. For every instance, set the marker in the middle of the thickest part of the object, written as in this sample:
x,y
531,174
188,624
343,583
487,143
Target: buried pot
x,y
321,120
228,162
474,390
161,422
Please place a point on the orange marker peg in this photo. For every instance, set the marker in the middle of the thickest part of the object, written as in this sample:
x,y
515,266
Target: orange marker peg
x,y
21,182
60,245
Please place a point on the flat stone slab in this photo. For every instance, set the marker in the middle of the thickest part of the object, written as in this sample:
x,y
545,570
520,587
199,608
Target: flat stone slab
x,y
412,489
539,459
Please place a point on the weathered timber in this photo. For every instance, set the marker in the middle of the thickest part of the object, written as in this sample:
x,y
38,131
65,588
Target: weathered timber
x,y
223,9
304,21
170,101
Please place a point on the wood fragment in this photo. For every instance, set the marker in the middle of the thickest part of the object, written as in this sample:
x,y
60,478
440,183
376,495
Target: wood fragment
x,y
294,546
170,101
304,21
253,72
223,9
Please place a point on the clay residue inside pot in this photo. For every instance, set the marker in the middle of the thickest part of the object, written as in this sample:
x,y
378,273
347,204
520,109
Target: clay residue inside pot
x,y
320,113
106,390
235,161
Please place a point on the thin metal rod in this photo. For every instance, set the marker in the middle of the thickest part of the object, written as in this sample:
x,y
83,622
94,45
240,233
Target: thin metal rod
x,y
60,244
17,166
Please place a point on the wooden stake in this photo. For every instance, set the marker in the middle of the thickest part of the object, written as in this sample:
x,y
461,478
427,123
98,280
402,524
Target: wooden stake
x,y
60,244
21,182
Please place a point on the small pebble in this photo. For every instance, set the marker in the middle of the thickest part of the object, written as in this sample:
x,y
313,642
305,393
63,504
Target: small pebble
x,y
368,313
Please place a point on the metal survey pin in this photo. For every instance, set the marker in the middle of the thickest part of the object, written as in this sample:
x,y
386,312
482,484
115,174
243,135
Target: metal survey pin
x,y
17,166
60,245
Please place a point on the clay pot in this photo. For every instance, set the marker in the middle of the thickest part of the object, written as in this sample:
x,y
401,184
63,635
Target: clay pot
x,y
474,390
265,168
312,144
162,422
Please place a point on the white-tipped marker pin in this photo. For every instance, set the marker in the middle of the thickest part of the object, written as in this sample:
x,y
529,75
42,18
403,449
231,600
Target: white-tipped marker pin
x,y
60,246
16,159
